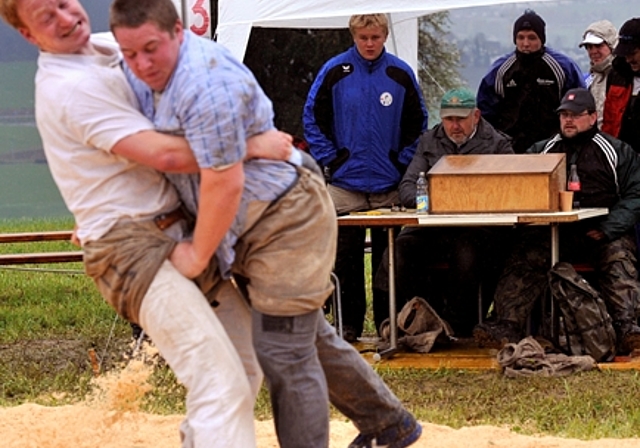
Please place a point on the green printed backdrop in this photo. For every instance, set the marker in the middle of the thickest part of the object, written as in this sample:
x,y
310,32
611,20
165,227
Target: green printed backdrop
x,y
27,190
26,187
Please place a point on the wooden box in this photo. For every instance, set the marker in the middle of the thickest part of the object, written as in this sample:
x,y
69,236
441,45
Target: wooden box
x,y
492,183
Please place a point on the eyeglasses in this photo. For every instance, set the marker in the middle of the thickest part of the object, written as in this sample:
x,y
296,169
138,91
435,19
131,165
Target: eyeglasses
x,y
570,115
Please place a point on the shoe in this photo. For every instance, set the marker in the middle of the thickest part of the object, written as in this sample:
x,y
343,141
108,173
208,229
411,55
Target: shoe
x,y
497,334
628,336
400,435
630,342
136,331
350,334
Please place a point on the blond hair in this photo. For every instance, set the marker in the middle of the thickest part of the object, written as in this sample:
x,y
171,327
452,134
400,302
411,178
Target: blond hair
x,y
9,12
367,20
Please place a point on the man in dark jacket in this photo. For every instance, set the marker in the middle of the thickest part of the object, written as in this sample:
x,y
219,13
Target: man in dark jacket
x,y
362,119
621,108
470,252
520,93
609,171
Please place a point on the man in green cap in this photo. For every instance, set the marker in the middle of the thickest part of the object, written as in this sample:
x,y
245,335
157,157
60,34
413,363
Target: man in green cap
x,y
466,250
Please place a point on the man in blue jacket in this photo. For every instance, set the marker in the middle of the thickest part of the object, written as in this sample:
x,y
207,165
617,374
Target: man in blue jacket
x,y
522,90
362,119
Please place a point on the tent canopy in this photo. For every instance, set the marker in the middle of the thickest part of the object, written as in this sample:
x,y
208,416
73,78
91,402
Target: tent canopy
x,y
237,17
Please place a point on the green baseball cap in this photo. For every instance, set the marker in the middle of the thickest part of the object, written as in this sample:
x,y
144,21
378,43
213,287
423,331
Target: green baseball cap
x,y
457,103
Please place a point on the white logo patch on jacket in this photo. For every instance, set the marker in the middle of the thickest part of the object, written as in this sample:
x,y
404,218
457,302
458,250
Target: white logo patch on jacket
x,y
545,82
386,99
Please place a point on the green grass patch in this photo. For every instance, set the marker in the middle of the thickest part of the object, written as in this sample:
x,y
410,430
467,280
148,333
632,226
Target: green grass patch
x,y
35,224
586,406
44,303
49,322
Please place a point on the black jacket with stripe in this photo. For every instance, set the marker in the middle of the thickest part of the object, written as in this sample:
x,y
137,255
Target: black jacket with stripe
x,y
609,172
521,92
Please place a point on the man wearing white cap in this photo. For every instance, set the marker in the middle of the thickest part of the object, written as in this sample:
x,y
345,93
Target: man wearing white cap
x,y
621,115
599,39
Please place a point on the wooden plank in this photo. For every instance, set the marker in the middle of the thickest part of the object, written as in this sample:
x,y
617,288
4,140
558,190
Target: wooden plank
x,y
481,193
439,361
448,359
479,219
497,164
384,218
462,354
62,235
485,183
42,257
375,219
571,216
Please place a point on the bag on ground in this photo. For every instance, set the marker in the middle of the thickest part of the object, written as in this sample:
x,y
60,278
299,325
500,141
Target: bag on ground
x,y
419,327
585,324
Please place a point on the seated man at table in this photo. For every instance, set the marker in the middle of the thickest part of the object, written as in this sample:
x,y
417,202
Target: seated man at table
x,y
609,171
470,251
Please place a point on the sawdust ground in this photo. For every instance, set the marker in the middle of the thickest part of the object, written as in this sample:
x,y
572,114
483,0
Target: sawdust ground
x,y
111,418
85,426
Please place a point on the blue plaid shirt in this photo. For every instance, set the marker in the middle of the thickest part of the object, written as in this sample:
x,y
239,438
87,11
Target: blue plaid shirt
x,y
215,102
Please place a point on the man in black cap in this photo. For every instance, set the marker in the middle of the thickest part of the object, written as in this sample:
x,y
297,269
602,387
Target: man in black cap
x,y
609,171
621,110
520,93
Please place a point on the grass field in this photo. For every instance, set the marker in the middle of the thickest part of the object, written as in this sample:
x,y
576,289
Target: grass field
x,y
49,322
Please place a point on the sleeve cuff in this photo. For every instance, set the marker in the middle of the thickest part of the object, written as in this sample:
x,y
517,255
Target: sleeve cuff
x,y
295,158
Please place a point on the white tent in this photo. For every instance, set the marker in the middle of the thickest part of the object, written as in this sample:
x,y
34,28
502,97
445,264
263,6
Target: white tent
x,y
237,17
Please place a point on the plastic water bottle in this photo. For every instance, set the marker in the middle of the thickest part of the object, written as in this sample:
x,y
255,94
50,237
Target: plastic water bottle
x,y
422,194
573,184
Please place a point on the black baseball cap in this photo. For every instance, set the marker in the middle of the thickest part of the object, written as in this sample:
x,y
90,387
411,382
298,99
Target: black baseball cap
x,y
577,101
628,38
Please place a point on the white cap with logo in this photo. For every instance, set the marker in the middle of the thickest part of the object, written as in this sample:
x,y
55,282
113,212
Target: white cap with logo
x,y
599,32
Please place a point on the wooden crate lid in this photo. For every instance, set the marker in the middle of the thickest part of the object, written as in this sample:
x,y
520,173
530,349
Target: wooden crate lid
x,y
497,164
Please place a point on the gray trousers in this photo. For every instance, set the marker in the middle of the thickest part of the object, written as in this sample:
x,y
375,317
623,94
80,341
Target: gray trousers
x,y
306,365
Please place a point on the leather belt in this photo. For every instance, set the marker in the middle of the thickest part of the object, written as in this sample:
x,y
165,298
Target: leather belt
x,y
166,220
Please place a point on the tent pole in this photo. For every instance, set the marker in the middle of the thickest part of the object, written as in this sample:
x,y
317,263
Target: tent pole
x,y
392,35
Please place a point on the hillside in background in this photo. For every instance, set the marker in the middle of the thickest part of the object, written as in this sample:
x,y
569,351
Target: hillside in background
x,y
484,33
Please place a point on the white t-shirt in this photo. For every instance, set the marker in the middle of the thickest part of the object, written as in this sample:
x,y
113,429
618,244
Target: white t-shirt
x,y
84,106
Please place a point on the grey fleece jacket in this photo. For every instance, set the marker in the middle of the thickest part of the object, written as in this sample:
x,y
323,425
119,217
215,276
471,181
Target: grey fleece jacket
x,y
435,144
